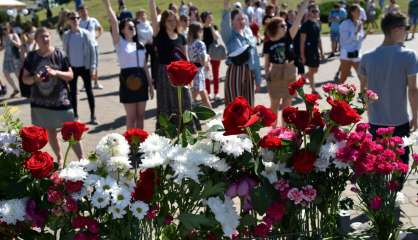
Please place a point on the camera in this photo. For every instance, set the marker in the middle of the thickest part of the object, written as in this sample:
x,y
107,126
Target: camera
x,y
43,73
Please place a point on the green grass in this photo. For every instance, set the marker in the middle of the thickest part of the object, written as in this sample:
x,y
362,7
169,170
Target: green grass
x,y
97,10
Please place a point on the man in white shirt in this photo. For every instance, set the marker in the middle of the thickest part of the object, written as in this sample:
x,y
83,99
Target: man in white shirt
x,y
92,25
363,16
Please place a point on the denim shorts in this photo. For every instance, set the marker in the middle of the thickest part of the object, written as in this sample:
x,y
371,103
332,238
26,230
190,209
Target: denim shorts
x,y
335,36
413,19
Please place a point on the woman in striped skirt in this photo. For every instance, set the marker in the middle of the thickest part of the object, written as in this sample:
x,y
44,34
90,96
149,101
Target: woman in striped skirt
x,y
243,62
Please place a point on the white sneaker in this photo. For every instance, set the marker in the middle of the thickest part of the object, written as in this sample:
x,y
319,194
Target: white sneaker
x,y
98,86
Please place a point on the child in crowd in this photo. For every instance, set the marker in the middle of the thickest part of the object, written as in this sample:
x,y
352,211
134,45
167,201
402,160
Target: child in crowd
x,y
197,55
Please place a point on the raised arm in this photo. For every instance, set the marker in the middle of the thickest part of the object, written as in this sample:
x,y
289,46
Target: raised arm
x,y
153,14
302,47
296,24
226,28
113,21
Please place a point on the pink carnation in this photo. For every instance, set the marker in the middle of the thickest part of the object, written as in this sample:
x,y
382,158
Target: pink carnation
x,y
415,157
309,193
282,185
328,87
372,95
295,195
385,131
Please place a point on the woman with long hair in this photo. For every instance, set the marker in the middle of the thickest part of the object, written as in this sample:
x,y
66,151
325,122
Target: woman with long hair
x,y
28,42
170,46
351,37
243,61
135,81
10,43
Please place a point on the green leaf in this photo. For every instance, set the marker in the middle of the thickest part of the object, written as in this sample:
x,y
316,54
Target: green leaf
x,y
192,221
262,197
211,189
316,140
163,120
187,117
203,113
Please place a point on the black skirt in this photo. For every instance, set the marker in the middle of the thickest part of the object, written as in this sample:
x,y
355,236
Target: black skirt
x,y
133,85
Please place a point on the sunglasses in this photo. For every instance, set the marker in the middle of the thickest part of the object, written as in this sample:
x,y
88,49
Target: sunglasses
x,y
315,11
283,26
131,28
75,18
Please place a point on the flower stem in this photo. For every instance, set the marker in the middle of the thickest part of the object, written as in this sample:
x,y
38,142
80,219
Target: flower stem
x,y
179,98
70,144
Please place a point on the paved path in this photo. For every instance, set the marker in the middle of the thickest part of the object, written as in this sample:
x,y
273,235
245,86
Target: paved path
x,y
111,115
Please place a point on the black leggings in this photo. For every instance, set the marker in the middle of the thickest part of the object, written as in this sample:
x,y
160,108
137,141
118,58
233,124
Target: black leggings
x,y
85,75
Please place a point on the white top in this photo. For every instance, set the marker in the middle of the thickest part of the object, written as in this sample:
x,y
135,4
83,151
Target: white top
x,y
91,24
258,16
350,39
144,31
128,54
363,15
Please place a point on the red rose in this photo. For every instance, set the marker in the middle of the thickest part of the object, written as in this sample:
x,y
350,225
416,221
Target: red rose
x,y
300,119
73,187
342,113
73,131
270,141
144,189
135,135
40,164
293,86
238,115
268,117
312,98
33,138
181,73
303,161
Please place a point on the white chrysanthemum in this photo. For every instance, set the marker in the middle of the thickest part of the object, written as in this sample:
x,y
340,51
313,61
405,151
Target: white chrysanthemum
x,y
86,164
152,160
340,165
270,171
121,197
100,199
116,212
106,184
127,182
155,143
267,155
214,122
225,214
118,164
13,211
91,180
204,157
326,154
73,173
9,143
84,192
112,145
236,145
400,199
139,209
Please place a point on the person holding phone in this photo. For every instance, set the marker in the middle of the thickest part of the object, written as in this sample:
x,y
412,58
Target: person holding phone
x,y
48,72
351,37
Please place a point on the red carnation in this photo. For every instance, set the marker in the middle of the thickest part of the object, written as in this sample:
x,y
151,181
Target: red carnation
x,y
238,115
135,135
262,230
34,138
303,161
268,117
181,73
40,164
293,86
270,141
73,187
342,113
312,98
73,131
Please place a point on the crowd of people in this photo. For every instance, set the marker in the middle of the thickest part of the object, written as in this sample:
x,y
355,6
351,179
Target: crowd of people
x,y
292,46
